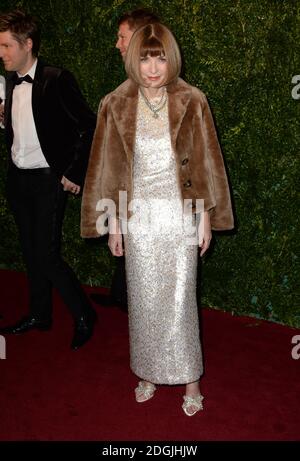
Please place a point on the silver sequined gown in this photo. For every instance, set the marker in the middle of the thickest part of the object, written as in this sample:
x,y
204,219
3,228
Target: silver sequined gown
x,y
160,266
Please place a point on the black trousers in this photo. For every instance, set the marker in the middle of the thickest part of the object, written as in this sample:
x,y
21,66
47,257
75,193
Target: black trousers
x,y
38,201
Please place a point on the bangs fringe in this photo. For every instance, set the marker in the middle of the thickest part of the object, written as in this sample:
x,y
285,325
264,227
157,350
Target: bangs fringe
x,y
152,47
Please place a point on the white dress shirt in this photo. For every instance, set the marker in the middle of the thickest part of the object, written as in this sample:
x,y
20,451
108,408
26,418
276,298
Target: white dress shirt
x,y
26,150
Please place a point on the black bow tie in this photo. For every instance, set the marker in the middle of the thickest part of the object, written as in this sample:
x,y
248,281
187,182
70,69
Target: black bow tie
x,y
26,78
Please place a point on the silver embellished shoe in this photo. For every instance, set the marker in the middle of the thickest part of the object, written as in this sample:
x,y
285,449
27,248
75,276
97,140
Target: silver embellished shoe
x,y
190,402
144,391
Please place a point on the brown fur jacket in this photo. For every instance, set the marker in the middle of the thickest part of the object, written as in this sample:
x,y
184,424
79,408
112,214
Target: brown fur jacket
x,y
200,167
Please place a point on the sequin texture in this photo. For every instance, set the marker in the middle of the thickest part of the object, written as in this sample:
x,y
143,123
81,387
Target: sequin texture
x,y
161,267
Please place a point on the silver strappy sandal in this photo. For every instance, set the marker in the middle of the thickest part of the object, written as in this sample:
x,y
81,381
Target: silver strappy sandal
x,y
144,391
190,402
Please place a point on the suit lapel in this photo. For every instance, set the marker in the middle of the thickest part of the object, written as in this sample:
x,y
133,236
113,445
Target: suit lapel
x,y
7,110
8,101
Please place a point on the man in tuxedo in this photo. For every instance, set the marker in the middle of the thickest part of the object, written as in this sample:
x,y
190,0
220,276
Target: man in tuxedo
x,y
127,25
49,129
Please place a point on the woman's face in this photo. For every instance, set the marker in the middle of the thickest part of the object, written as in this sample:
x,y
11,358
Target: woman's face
x,y
154,70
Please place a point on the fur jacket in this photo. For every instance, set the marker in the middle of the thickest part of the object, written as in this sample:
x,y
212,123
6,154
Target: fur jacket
x,y
200,168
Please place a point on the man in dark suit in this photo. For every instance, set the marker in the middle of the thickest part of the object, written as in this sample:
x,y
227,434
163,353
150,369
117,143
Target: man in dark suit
x,y
49,129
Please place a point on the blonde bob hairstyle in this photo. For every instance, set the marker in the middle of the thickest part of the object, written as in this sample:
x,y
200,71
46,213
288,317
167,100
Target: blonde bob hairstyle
x,y
153,40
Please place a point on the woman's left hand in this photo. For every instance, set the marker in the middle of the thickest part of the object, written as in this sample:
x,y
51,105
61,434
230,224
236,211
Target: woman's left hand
x,y
205,234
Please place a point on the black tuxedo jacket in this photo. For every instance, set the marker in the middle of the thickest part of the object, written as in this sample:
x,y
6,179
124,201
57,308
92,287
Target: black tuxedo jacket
x,y
64,122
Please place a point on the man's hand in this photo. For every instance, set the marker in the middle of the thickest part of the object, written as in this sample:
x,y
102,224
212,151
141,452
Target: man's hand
x,y
70,186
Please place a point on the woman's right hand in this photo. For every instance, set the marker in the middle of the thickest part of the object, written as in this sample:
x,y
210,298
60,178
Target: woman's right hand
x,y
115,244
115,241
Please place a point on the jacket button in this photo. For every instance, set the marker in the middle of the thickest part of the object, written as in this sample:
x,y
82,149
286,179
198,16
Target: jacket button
x,y
184,161
187,184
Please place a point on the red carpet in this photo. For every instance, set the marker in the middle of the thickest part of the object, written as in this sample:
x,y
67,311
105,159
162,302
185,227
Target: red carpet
x,y
48,392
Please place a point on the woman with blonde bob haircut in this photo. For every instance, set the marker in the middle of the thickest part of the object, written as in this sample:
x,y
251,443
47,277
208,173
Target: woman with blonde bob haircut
x,y
155,139
155,40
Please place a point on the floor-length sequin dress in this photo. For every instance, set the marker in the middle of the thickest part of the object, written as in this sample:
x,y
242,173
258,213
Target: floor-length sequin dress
x,y
160,264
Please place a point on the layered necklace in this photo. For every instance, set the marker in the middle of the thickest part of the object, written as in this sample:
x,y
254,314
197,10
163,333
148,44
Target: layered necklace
x,y
155,108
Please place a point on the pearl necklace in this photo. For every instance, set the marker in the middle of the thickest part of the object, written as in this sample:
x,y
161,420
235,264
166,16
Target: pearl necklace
x,y
155,108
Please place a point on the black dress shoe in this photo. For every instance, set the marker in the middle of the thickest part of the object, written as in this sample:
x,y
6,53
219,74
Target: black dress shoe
x,y
83,331
26,324
107,301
